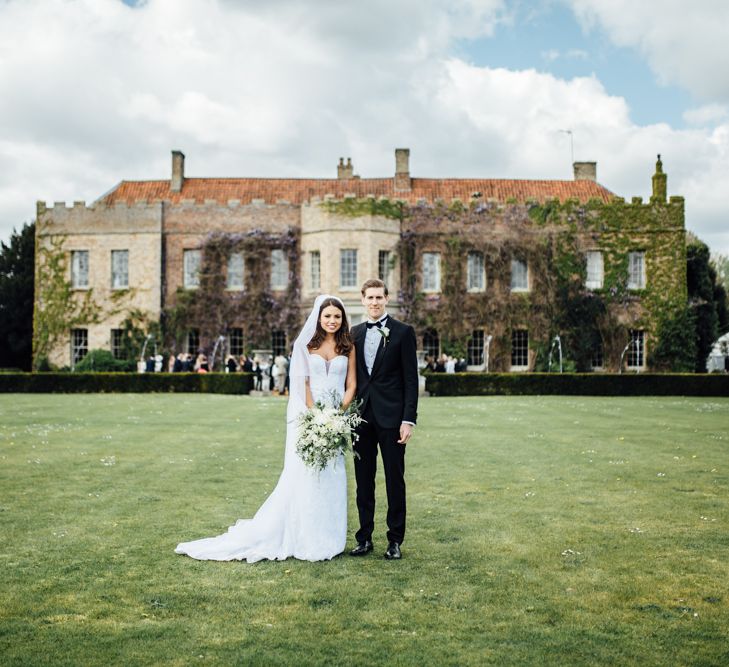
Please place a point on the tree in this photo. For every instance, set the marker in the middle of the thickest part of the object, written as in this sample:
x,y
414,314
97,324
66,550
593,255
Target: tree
x,y
721,266
675,349
707,299
17,262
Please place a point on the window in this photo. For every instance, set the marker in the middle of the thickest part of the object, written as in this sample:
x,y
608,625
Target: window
x,y
117,343
235,341
193,341
519,276
431,342
431,272
315,269
236,266
279,269
636,351
595,270
476,276
520,349
348,268
79,345
278,342
191,267
475,348
80,269
383,265
597,358
119,269
636,270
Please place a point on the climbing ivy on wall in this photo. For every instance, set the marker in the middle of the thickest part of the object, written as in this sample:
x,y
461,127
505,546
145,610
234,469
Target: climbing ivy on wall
x,y
259,310
59,307
553,238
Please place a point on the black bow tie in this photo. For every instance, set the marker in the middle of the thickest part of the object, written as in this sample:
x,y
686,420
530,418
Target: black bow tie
x,y
377,324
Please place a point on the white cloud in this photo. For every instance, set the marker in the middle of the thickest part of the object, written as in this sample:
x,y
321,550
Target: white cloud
x,y
272,88
709,114
685,44
552,55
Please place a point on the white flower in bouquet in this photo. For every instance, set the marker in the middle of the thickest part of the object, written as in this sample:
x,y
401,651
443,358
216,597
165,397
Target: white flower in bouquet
x,y
325,432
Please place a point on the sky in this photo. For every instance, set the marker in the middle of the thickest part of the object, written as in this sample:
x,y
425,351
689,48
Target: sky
x,y
93,92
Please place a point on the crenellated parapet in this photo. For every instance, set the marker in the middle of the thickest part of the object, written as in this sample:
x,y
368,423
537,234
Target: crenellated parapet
x,y
79,218
193,218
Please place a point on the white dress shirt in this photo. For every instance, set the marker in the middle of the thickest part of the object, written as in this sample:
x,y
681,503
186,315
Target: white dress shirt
x,y
372,342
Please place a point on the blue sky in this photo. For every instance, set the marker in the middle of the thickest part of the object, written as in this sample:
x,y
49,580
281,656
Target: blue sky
x,y
550,39
475,88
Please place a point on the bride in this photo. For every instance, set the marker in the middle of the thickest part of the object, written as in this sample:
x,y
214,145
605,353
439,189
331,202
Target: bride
x,y
306,514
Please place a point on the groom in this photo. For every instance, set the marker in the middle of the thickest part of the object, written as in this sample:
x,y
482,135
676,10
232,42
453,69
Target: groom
x,y
387,385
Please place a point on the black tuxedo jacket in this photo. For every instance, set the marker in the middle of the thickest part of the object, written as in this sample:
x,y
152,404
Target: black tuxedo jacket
x,y
392,389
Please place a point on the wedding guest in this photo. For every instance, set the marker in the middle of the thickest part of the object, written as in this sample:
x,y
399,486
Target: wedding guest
x,y
288,376
430,365
258,373
440,364
461,365
187,363
231,365
171,363
201,364
268,374
200,360
281,365
450,365
179,363
246,364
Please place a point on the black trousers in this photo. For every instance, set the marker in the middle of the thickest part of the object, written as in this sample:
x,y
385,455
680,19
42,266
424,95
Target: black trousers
x,y
365,467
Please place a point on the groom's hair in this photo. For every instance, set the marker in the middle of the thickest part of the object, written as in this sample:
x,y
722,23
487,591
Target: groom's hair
x,y
374,282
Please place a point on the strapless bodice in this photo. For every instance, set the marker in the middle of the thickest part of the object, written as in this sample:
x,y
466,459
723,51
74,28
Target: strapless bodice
x,y
327,377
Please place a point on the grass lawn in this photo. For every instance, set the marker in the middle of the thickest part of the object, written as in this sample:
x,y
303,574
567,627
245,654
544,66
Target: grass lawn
x,y
542,531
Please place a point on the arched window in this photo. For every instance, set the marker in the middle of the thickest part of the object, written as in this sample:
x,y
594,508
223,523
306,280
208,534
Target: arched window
x,y
431,342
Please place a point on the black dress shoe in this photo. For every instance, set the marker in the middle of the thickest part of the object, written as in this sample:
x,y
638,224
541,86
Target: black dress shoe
x,y
393,551
362,548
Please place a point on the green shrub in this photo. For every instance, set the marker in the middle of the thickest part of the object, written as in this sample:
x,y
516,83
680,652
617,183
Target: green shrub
x,y
49,383
103,361
576,384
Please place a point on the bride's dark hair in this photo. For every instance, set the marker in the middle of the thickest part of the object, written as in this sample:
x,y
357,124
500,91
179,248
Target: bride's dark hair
x,y
343,342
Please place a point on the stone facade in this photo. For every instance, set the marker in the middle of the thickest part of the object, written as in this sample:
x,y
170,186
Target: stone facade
x,y
353,229
329,234
99,231
552,240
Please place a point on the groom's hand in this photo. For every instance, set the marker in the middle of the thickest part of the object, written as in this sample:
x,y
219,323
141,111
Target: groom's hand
x,y
406,430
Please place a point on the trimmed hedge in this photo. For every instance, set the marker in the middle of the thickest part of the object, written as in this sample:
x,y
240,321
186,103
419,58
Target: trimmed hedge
x,y
438,384
69,383
577,384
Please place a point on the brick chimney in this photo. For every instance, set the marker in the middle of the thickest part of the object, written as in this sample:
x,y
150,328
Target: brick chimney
x,y
660,183
402,170
178,171
345,171
585,171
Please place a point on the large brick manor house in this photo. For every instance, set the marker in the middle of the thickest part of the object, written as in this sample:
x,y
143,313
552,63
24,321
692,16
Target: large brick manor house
x,y
492,270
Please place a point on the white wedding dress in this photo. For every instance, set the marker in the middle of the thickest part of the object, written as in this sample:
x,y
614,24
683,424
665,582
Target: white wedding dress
x,y
306,514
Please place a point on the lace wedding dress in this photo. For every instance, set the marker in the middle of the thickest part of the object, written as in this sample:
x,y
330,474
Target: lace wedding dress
x,y
306,514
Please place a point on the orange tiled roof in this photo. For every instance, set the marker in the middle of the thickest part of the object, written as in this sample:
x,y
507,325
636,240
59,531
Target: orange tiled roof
x,y
299,190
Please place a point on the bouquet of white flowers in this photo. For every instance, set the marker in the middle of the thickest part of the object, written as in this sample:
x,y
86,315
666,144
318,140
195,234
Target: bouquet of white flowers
x,y
325,432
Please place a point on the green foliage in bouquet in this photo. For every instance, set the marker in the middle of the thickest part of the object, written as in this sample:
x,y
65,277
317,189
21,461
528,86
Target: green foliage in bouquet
x,y
326,431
